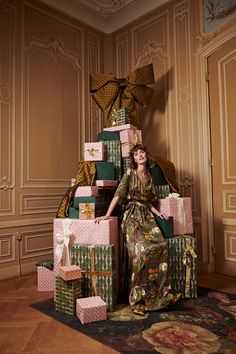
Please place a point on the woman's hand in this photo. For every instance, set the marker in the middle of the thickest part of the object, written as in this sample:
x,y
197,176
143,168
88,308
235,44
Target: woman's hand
x,y
99,218
161,215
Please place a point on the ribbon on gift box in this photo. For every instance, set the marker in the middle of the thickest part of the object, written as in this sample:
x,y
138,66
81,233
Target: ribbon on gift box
x,y
181,218
87,210
92,151
62,240
119,114
189,256
108,90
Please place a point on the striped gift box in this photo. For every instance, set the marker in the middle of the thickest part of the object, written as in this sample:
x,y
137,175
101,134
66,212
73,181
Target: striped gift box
x,y
66,293
113,154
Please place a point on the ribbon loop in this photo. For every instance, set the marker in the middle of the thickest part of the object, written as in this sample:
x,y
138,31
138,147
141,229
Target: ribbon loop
x,y
62,240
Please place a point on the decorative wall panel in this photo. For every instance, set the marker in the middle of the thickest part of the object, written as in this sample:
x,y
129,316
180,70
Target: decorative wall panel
x,y
230,245
7,248
36,243
40,203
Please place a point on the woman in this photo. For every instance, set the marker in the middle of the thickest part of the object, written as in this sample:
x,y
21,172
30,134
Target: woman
x,y
149,288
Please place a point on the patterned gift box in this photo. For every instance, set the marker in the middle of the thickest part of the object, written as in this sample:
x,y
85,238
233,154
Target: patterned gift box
x,y
129,138
98,267
104,135
86,211
66,293
93,151
86,191
91,309
181,210
113,154
105,170
106,183
118,128
183,265
162,191
70,272
125,164
45,279
119,116
166,226
83,231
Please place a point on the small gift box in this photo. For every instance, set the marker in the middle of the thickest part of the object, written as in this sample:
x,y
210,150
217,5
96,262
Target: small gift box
x,y
106,183
166,226
66,293
93,151
86,191
129,138
105,170
73,213
91,309
86,211
46,279
120,127
104,135
70,272
119,116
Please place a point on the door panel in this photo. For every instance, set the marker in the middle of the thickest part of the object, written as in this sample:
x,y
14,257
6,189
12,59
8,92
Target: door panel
x,y
222,95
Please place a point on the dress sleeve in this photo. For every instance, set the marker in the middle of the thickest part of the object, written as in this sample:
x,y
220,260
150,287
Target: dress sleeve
x,y
122,189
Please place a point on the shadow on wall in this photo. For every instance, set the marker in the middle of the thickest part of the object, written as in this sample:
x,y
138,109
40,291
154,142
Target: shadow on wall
x,y
152,120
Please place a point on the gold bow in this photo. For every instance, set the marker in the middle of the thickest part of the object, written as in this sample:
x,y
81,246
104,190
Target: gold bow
x,y
87,210
188,255
107,90
92,151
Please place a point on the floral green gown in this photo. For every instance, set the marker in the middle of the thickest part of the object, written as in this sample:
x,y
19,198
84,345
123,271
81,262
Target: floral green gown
x,y
149,287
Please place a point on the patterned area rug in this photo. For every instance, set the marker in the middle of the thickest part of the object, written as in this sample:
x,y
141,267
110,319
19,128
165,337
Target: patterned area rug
x,y
206,324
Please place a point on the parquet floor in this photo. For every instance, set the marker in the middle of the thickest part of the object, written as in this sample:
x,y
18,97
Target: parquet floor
x,y
24,330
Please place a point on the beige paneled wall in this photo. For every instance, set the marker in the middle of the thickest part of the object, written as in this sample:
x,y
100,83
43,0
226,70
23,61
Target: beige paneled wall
x,y
46,114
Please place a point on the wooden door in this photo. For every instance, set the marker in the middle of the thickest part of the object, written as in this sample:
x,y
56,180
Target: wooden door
x,y
222,96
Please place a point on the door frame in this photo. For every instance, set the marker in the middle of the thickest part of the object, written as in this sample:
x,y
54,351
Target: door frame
x,y
210,44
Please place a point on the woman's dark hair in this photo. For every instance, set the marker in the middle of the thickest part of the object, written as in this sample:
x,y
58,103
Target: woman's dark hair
x,y
135,148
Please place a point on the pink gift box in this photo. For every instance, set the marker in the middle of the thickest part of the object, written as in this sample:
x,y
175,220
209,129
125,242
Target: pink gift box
x,y
91,309
46,279
70,272
106,183
94,151
181,210
86,191
129,138
120,127
86,211
86,231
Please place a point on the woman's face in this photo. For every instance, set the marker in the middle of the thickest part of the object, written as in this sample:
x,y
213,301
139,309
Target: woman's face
x,y
140,157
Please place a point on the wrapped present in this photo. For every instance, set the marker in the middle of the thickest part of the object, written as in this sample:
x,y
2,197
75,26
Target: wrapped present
x,y
86,211
162,191
73,213
183,265
78,200
113,154
86,191
98,268
181,210
129,138
166,226
91,309
105,170
45,279
70,272
107,90
106,183
86,232
119,128
101,202
66,293
106,135
120,116
125,164
93,151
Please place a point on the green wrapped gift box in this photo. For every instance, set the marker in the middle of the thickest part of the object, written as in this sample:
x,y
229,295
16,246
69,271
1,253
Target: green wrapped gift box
x,y
166,226
66,293
105,135
113,154
105,170
78,200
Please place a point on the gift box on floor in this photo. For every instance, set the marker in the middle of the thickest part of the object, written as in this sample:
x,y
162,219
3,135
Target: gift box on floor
x,y
120,128
183,265
105,170
93,151
166,226
98,266
86,191
181,210
91,309
70,272
66,293
86,211
129,138
45,279
113,154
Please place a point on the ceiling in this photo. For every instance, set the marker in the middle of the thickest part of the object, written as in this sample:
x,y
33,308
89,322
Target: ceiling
x,y
105,15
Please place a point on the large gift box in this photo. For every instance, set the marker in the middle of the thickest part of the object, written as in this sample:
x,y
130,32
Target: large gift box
x,y
98,268
93,151
45,278
66,293
181,210
113,154
91,309
183,265
129,138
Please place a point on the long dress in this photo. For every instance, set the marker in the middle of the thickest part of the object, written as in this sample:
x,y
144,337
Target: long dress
x,y
149,287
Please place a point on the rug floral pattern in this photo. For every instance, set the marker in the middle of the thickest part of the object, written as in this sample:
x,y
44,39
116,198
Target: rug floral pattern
x,y
203,325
